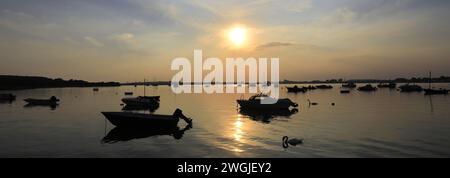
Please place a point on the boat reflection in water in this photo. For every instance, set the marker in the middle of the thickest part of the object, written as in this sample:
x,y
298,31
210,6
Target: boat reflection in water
x,y
136,125
51,106
266,116
123,134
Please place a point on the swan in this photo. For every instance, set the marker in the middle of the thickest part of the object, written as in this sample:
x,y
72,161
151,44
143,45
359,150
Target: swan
x,y
312,103
293,142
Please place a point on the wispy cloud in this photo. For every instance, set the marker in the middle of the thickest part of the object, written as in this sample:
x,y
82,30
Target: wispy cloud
x,y
273,44
93,41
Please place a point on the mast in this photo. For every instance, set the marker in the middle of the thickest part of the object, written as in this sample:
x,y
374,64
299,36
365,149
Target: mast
x,y
429,82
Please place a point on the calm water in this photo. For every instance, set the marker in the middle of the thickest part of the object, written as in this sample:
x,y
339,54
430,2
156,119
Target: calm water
x,y
385,123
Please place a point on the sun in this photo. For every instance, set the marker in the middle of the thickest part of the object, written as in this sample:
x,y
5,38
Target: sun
x,y
237,35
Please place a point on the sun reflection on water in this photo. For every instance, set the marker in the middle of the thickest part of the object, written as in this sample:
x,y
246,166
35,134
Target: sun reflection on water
x,y
238,133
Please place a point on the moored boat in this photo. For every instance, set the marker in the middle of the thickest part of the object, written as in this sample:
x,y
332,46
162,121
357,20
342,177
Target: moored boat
x,y
432,91
7,97
345,91
257,102
349,85
138,120
296,89
387,85
410,88
436,91
145,101
46,102
310,87
128,93
324,87
367,87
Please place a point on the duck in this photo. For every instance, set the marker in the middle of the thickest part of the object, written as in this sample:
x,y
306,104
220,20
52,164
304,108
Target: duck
x,y
293,142
312,103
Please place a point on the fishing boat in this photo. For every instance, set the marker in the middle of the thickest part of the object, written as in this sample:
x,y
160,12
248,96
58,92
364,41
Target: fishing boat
x,y
324,87
7,97
432,91
138,120
387,85
45,102
257,102
296,89
410,88
349,85
144,101
367,87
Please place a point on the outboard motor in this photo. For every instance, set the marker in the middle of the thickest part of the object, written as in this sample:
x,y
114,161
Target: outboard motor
x,y
179,114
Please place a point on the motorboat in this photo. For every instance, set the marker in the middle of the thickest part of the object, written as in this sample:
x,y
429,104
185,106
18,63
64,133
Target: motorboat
x,y
324,87
7,97
257,102
138,120
296,89
349,85
367,87
144,101
128,93
387,85
345,91
410,88
44,102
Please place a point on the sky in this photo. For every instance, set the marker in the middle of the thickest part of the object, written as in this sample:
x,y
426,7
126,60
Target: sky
x,y
129,40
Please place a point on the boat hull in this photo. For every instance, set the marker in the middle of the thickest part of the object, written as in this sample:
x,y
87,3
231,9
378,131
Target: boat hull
x,y
136,120
296,90
435,92
8,97
142,101
41,102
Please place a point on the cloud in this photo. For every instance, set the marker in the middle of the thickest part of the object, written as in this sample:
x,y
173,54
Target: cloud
x,y
124,37
93,41
273,44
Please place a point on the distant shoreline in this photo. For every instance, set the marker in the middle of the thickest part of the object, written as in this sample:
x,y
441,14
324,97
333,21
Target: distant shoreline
x,y
10,82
